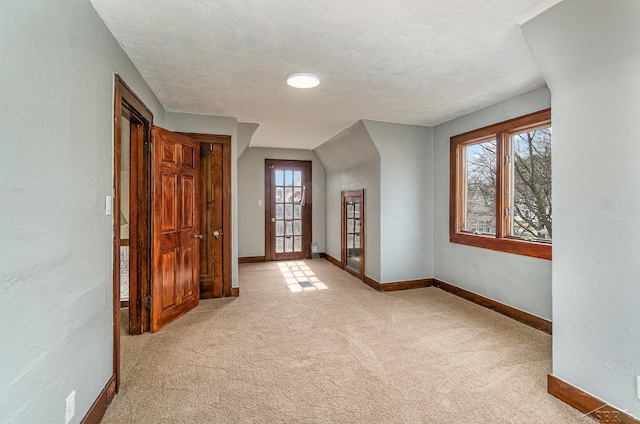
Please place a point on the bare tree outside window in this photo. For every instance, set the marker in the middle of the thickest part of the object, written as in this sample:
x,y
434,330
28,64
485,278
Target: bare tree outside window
x,y
481,187
532,184
531,190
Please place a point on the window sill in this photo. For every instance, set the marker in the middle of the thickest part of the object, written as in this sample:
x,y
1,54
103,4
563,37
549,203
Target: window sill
x,y
515,246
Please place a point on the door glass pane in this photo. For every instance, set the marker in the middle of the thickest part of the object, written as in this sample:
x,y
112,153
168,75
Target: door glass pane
x,y
297,227
297,244
353,262
279,178
297,195
288,178
288,211
288,194
480,180
279,211
279,194
353,235
279,228
297,178
531,190
297,212
288,244
288,228
279,244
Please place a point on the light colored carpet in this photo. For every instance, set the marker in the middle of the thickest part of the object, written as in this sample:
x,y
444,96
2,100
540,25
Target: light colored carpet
x,y
338,353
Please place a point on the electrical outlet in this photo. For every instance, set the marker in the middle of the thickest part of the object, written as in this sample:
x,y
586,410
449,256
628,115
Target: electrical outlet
x,y
638,387
70,408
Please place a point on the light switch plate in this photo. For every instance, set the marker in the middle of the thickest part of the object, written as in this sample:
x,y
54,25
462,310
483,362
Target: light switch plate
x,y
70,407
108,205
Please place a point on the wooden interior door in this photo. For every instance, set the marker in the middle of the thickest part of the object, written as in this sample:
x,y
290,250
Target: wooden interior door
x,y
288,209
211,220
174,286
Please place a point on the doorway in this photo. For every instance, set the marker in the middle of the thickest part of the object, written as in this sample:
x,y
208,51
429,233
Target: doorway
x,y
353,232
164,263
287,209
131,215
215,214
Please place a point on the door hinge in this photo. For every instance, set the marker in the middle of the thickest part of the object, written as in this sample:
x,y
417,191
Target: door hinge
x,y
146,301
508,159
146,147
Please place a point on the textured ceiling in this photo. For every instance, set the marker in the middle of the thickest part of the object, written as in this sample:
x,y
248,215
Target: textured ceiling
x,y
408,61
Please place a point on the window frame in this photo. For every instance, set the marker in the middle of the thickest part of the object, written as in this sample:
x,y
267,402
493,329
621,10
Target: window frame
x,y
502,240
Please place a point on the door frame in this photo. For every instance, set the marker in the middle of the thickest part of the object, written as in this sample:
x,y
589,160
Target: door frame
x,y
307,220
346,194
225,140
128,103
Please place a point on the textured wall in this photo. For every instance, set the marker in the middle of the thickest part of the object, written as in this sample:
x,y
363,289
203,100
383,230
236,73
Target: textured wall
x,y
590,56
251,189
56,104
245,133
518,281
406,193
352,162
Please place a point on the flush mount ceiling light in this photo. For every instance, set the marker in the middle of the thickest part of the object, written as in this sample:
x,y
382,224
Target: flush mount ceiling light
x,y
303,80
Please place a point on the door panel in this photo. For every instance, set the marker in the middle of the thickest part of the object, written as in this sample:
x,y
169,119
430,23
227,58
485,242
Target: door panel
x,y
174,288
169,206
288,211
188,202
169,267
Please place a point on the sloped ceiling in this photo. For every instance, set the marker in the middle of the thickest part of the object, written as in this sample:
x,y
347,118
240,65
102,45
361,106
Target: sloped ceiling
x,y
418,62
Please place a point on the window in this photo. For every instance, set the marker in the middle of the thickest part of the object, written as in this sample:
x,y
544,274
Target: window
x,y
501,186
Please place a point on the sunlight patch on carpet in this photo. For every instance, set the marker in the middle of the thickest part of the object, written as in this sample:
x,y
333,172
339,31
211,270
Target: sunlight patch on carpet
x,y
299,277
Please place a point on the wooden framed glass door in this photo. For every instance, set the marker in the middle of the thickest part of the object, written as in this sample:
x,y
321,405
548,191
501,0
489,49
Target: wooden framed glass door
x,y
353,232
287,209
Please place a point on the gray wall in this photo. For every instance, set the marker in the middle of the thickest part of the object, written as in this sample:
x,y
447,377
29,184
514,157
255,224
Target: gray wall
x,y
518,281
245,133
206,124
406,193
251,189
56,167
590,56
352,162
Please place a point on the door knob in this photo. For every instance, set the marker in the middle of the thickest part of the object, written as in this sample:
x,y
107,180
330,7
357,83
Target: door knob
x,y
199,236
273,220
216,233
